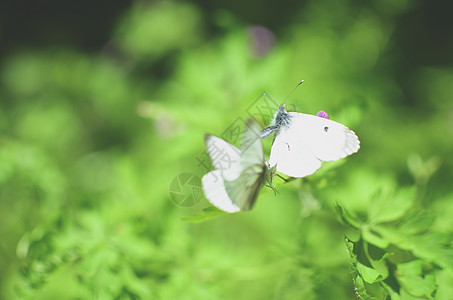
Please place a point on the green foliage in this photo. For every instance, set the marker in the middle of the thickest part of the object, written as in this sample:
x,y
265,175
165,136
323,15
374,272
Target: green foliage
x,y
396,252
206,215
90,143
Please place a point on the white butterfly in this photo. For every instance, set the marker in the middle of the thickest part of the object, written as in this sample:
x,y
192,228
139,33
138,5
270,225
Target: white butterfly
x,y
239,176
302,141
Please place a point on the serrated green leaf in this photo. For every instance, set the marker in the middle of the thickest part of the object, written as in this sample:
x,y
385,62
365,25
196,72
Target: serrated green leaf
x,y
392,206
432,246
346,217
376,257
416,285
360,289
350,247
368,274
370,264
417,222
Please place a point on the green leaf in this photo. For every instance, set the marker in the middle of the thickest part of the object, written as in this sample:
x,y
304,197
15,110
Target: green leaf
x,y
432,246
350,247
417,222
411,278
207,214
359,288
392,206
368,274
368,260
376,257
346,217
374,238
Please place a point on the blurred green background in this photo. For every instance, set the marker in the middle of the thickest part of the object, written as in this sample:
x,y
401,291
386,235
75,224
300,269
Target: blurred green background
x,y
104,103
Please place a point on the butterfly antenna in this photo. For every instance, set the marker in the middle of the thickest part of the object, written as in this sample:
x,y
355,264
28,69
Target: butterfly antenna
x,y
302,81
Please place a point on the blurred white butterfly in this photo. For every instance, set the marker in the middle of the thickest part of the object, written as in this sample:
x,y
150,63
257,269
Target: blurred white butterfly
x,y
239,176
302,141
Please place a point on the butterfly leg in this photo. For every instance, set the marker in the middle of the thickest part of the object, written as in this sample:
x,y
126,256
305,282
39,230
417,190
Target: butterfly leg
x,y
273,188
266,132
289,179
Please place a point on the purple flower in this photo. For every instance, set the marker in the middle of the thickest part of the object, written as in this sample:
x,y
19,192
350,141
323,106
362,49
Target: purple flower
x,y
322,114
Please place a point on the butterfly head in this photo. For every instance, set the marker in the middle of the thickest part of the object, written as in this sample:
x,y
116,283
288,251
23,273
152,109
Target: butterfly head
x,y
281,116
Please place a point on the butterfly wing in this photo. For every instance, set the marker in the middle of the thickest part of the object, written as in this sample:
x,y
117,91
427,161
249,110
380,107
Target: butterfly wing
x,y
245,189
237,187
215,191
224,156
291,156
307,140
252,152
